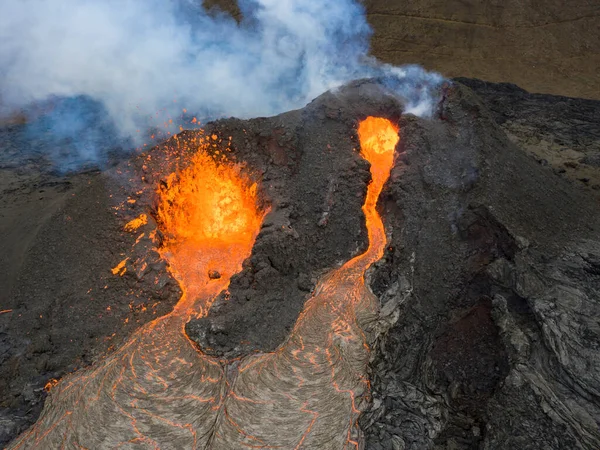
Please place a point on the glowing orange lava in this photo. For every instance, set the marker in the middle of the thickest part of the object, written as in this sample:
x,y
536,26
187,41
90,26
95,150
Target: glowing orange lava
x,y
209,214
136,223
158,391
378,139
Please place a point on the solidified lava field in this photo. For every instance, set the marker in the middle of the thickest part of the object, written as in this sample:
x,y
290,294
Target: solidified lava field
x,y
449,305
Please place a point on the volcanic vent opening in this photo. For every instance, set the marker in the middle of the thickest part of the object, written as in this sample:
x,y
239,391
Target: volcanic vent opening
x,y
378,139
159,391
209,215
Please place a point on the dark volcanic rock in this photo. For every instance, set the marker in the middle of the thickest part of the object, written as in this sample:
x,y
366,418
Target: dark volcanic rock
x,y
488,295
488,288
62,306
315,180
559,132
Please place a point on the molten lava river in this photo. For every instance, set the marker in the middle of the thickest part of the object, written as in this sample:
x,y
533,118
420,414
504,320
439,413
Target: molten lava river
x,y
158,391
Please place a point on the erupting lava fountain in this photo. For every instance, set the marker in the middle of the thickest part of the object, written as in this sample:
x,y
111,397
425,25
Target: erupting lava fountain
x,y
159,391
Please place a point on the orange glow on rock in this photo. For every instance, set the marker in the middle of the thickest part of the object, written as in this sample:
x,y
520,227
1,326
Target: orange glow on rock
x,y
136,223
120,268
210,218
50,384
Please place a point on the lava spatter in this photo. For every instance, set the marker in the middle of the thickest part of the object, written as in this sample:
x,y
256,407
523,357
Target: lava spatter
x,y
158,391
209,215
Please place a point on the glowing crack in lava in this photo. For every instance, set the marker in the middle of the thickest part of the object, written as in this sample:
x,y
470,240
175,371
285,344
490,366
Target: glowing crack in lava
x,y
159,392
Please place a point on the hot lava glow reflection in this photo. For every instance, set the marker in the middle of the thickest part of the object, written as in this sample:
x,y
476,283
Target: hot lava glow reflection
x,y
158,391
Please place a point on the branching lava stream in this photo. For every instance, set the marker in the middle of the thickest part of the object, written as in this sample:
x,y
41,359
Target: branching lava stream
x,y
159,392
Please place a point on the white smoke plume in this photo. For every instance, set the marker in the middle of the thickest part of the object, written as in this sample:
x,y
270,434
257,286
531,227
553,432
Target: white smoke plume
x,y
143,59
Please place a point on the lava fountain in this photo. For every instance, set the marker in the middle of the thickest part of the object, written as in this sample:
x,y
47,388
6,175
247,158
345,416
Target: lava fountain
x,y
159,392
209,215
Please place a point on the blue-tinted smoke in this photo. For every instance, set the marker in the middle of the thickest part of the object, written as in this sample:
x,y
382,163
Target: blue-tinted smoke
x,y
141,62
75,132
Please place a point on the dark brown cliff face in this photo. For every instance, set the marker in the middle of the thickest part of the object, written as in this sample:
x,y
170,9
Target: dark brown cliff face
x,y
543,46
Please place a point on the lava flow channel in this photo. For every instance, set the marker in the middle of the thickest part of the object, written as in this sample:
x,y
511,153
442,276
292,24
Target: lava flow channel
x,y
159,392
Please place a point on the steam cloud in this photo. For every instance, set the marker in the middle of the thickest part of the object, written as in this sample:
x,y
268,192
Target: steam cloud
x,y
141,61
